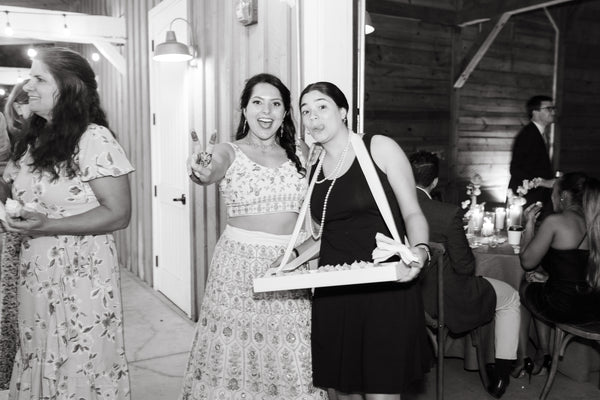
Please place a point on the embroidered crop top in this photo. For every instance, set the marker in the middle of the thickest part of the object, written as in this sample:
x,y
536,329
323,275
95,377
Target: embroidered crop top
x,y
253,189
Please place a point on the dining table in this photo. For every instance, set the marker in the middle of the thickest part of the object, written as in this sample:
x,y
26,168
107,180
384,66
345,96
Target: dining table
x,y
500,260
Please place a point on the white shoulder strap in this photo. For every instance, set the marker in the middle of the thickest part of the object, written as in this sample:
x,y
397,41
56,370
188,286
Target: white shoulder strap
x,y
366,164
301,216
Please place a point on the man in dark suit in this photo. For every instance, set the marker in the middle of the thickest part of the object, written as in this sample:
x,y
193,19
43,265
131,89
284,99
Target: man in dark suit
x,y
469,300
530,157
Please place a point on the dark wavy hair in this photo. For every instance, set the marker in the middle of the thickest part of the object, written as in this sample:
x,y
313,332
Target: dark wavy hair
x,y
287,134
53,144
330,90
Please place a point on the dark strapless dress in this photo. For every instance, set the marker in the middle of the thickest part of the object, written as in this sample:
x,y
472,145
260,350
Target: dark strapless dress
x,y
367,338
565,296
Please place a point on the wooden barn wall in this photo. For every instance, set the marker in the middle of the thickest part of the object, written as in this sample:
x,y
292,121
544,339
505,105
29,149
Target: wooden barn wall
x,y
125,99
518,65
407,82
410,69
579,117
230,53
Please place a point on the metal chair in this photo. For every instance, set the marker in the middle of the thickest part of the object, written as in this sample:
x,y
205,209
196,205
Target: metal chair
x,y
563,335
438,331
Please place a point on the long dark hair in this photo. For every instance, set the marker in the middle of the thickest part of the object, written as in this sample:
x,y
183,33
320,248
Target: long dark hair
x,y
53,144
331,90
287,133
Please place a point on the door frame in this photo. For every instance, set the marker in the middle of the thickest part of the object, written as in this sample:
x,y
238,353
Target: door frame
x,y
153,14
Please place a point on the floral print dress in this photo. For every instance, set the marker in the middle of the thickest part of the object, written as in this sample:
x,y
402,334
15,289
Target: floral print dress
x,y
70,312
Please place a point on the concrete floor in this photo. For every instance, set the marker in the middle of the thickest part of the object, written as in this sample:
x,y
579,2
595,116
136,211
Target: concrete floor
x,y
158,336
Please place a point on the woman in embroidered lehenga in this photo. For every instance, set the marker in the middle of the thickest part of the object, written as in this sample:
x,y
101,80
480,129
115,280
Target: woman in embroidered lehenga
x,y
70,175
247,345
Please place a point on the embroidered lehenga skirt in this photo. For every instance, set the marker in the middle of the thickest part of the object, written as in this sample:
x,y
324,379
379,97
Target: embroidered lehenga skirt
x,y
247,345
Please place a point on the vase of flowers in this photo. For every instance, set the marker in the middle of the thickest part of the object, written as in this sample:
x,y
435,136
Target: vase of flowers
x,y
516,202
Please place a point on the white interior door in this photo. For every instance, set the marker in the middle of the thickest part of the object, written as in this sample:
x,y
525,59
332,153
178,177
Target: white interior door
x,y
169,99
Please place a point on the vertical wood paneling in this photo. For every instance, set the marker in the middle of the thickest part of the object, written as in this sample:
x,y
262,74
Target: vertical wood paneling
x,y
125,98
579,117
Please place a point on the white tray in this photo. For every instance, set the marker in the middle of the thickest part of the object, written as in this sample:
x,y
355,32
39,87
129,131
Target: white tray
x,y
356,274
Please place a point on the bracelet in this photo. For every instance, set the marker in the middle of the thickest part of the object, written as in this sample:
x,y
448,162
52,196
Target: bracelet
x,y
296,252
427,249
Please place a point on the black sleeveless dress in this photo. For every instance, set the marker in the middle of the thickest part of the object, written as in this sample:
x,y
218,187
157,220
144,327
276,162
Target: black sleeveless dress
x,y
367,338
565,296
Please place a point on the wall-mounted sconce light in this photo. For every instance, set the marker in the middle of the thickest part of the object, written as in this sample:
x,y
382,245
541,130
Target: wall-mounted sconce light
x,y
171,50
369,27
246,12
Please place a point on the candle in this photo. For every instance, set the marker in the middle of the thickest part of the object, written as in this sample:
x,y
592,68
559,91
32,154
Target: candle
x,y
500,216
488,224
514,214
476,219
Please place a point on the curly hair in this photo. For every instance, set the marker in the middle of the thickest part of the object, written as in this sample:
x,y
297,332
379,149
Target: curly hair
x,y
53,144
287,133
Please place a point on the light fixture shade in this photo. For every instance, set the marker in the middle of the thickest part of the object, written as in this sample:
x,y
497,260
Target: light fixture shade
x,y
369,28
171,50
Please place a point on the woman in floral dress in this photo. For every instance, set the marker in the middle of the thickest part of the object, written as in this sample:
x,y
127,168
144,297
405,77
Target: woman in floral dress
x,y
70,175
247,345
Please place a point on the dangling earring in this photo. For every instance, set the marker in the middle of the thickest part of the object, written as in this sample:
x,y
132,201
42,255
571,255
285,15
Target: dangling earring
x,y
245,128
281,131
345,120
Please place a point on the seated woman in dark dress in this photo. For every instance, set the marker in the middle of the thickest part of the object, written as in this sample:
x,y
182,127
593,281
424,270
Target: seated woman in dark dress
x,y
567,246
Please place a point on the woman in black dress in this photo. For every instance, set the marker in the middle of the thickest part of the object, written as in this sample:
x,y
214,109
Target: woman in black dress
x,y
369,340
567,246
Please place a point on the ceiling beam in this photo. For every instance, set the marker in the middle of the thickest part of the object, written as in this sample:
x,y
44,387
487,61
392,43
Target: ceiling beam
x,y
480,47
413,12
102,31
489,10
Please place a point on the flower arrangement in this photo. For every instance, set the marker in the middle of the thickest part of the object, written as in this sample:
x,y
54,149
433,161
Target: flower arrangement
x,y
473,191
522,190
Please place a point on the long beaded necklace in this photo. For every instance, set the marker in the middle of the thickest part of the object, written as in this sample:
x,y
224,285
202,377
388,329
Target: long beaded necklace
x,y
333,175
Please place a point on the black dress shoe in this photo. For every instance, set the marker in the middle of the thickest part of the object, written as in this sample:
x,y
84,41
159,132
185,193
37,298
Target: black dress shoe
x,y
497,387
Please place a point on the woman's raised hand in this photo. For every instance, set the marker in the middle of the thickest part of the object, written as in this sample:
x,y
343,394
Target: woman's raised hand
x,y
532,212
199,162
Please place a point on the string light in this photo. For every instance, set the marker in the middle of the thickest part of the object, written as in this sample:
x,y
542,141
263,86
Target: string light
x,y
8,30
95,57
31,52
66,31
2,92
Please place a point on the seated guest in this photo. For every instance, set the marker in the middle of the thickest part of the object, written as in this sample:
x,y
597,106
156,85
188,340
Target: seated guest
x,y
567,246
469,301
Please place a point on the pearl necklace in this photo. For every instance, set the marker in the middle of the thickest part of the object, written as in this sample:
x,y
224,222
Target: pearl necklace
x,y
335,176
338,166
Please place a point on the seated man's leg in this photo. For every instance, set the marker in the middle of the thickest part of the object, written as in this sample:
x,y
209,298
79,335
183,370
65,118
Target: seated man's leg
x,y
507,319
